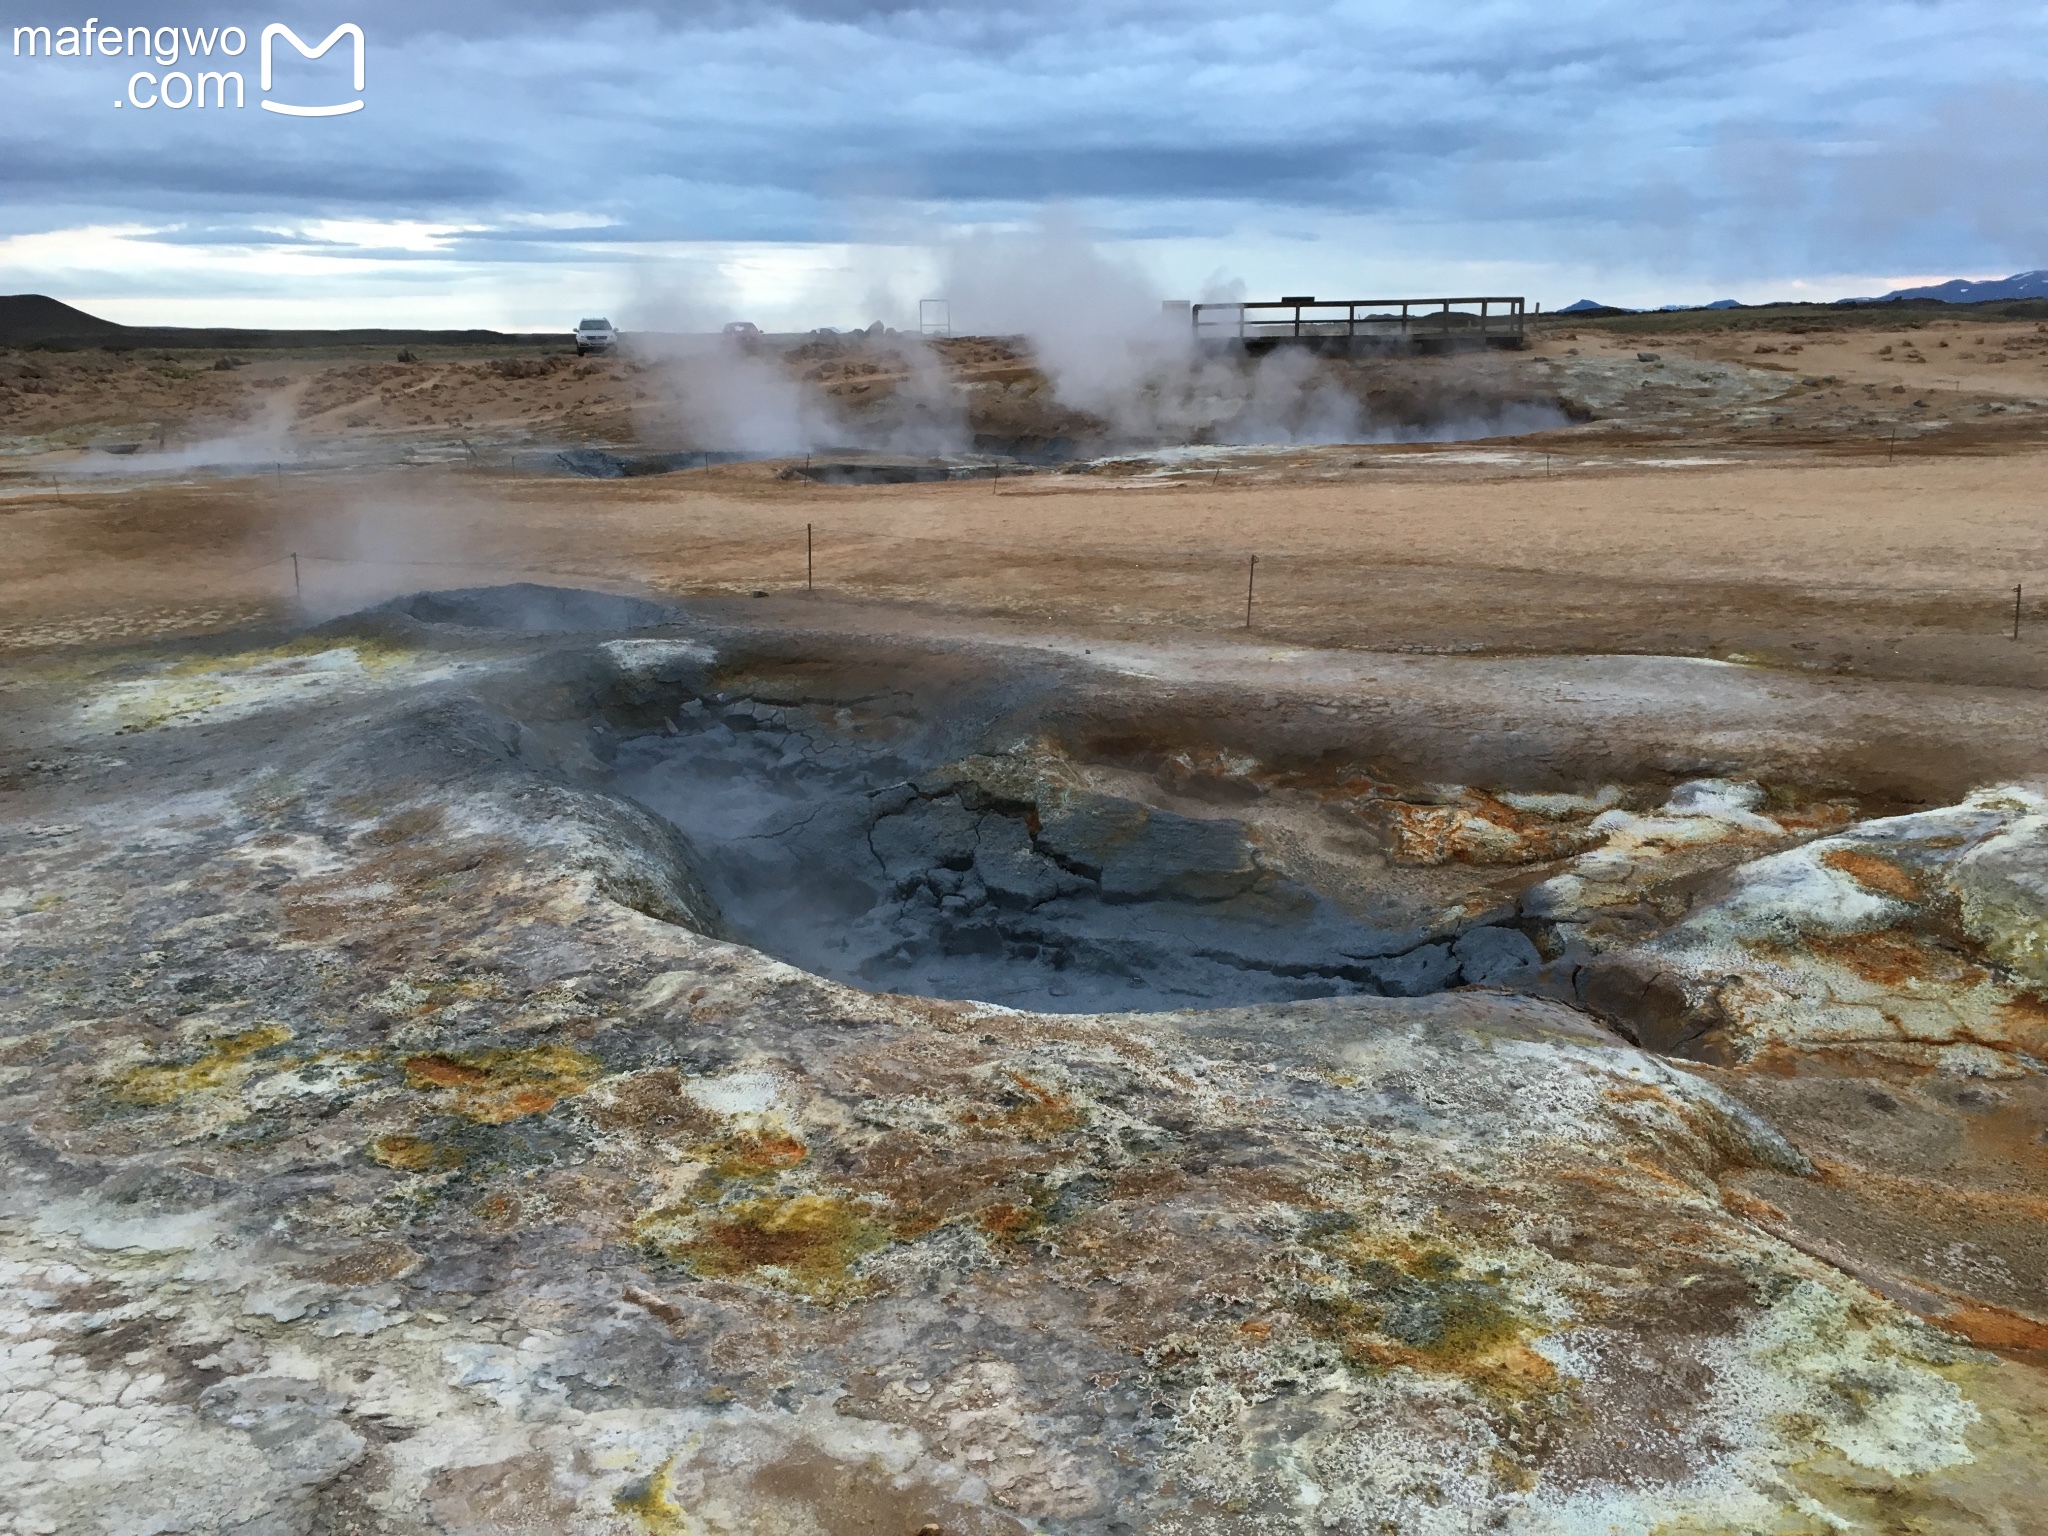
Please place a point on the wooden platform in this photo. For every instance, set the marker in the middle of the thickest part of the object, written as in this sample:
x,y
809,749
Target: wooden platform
x,y
1348,326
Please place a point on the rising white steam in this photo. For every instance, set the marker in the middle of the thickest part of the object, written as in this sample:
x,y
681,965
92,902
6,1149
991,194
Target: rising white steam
x,y
1294,399
1102,337
1094,323
707,392
1096,327
718,393
256,444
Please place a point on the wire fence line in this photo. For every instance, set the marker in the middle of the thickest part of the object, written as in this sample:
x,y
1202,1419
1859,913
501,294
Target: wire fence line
x,y
1846,591
472,565
481,567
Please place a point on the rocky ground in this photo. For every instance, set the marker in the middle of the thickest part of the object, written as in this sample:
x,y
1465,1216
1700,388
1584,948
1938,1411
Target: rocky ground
x,y
401,1139
1535,1025
1812,379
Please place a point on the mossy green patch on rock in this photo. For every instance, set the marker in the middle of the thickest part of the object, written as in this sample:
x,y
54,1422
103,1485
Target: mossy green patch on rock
x,y
1424,1308
415,1154
504,1083
804,1243
223,1063
208,686
1030,1110
751,1155
361,650
2004,897
1440,1312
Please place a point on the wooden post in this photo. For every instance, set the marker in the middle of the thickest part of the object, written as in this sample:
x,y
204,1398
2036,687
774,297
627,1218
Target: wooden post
x,y
1251,576
2016,612
807,557
296,588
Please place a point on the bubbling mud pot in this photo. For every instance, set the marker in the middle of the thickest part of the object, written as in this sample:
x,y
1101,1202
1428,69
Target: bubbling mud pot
x,y
977,823
931,834
1005,877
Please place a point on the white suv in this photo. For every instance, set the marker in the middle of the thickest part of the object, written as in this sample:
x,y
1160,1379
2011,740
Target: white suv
x,y
595,336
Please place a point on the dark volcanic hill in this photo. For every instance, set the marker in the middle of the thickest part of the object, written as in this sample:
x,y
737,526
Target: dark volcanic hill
x,y
26,317
31,319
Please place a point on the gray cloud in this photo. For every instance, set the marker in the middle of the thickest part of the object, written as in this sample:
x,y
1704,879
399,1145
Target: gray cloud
x,y
1736,138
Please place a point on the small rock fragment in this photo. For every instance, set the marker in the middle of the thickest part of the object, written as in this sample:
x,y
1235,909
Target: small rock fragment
x,y
1490,955
1417,973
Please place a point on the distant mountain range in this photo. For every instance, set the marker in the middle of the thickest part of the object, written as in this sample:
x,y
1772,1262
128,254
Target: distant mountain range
x,y
1595,307
1958,290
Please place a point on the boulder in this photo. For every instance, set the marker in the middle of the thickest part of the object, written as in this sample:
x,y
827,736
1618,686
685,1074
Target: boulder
x,y
924,835
1417,973
2002,886
1015,874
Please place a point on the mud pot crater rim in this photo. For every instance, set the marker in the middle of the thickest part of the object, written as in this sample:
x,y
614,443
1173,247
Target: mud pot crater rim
x,y
970,824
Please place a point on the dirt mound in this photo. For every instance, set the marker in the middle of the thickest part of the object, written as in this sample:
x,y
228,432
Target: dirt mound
x,y
528,608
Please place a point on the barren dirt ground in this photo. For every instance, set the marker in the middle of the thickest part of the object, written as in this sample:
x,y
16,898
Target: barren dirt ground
x,y
1822,521
1846,565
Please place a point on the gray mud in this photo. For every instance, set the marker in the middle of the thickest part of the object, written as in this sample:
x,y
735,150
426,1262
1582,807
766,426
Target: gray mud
x,y
900,822
1012,825
884,864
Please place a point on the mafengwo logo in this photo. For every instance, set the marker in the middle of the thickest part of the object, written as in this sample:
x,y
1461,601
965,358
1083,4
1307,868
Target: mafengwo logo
x,y
167,47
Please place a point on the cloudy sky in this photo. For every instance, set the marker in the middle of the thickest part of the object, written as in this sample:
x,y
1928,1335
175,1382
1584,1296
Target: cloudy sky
x,y
519,163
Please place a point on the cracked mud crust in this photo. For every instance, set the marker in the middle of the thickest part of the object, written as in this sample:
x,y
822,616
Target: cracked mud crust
x,y
403,1136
